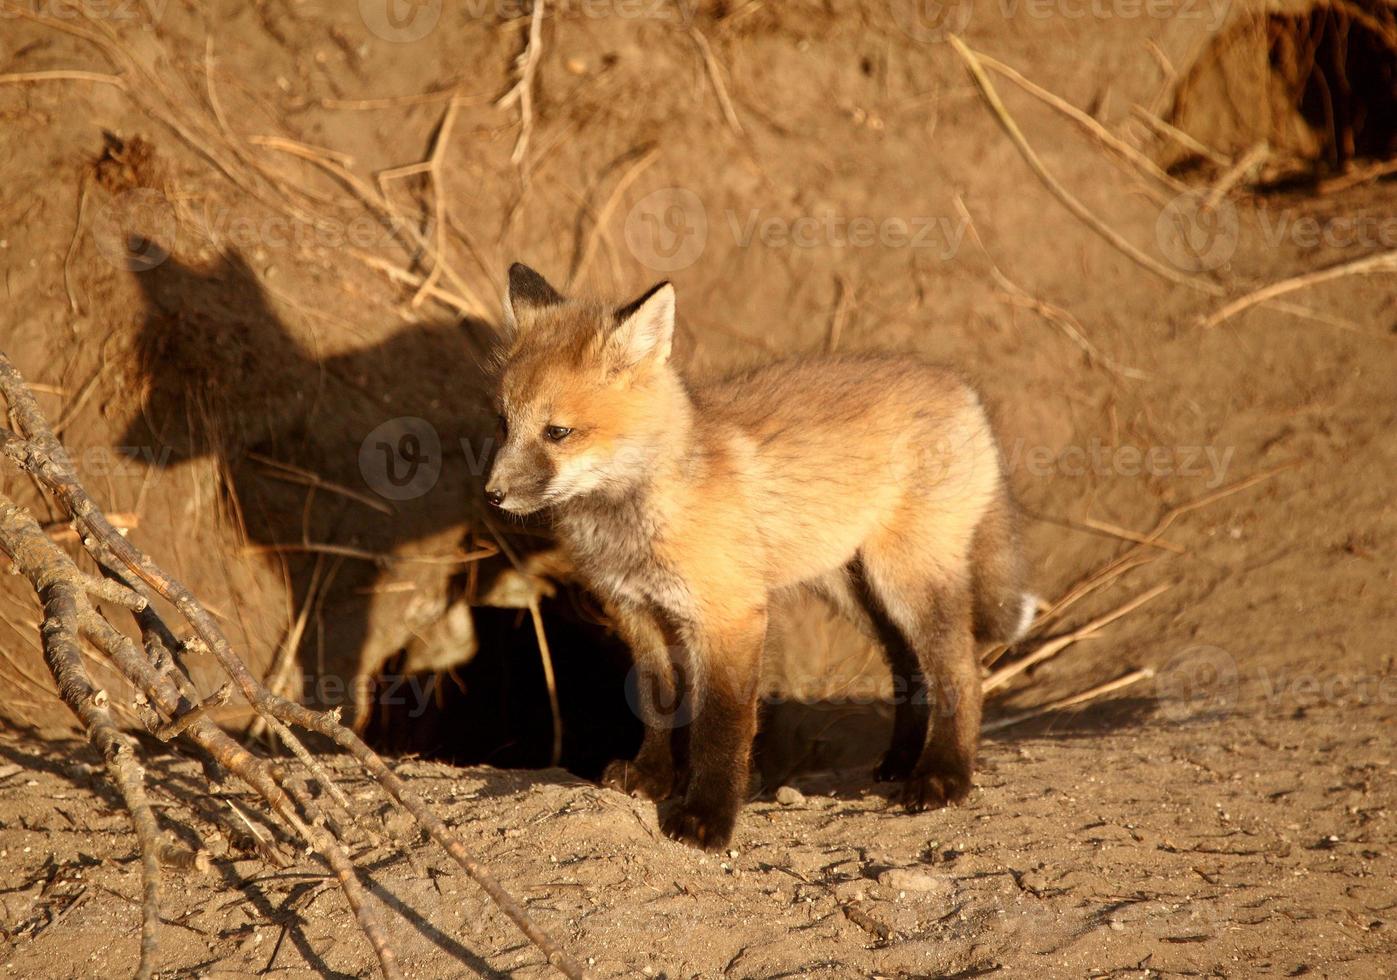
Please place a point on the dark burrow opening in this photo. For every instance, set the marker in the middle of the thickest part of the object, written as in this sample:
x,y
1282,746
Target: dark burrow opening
x,y
1318,85
495,708
1341,64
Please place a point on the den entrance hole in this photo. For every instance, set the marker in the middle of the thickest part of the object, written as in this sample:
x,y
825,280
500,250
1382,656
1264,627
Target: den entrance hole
x,y
494,709
1317,84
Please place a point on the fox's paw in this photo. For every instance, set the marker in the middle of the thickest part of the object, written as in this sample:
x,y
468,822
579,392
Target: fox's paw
x,y
933,790
638,780
896,766
700,825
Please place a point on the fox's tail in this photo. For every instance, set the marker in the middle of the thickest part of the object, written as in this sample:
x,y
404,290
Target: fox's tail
x,y
1003,610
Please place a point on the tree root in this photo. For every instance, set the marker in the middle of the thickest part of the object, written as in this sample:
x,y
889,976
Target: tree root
x,y
131,579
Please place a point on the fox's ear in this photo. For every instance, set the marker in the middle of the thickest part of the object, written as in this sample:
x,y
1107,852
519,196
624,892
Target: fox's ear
x,y
645,328
528,291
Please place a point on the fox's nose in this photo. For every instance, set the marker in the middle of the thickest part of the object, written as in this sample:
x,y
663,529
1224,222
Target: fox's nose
x,y
494,496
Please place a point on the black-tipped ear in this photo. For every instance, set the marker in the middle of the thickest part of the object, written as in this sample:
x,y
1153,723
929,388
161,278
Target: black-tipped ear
x,y
527,291
645,327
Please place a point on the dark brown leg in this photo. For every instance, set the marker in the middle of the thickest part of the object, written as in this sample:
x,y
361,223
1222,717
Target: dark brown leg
x,y
910,701
654,696
934,614
725,722
946,648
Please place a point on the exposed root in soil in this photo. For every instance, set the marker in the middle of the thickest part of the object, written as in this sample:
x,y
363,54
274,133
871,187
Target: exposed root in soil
x,y
132,580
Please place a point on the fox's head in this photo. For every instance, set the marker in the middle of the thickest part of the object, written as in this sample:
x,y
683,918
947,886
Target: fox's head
x,y
587,399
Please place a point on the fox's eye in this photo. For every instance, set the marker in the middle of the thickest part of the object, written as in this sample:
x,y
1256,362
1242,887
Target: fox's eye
x,y
557,432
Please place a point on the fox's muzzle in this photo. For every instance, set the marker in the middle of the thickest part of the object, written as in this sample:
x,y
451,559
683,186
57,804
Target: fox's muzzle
x,y
519,475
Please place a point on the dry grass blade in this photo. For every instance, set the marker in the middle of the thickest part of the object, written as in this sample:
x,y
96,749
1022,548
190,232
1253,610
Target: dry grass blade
x,y
24,77
1125,534
1136,556
399,224
1019,296
443,141
843,299
1091,694
377,557
1362,175
548,678
1056,645
1080,210
279,674
715,75
1381,262
1093,128
523,91
584,257
1178,135
296,474
1234,174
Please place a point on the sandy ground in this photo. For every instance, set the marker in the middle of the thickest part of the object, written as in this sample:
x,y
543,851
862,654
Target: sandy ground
x,y
1232,816
1242,847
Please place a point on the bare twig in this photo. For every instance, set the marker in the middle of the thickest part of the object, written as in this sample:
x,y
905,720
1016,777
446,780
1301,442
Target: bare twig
x,y
1178,135
645,157
1381,262
1101,690
1093,128
201,710
1056,645
715,75
1234,174
60,590
1080,210
547,657
37,451
523,91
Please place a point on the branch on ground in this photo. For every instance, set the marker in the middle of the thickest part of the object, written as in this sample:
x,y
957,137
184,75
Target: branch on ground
x,y
130,580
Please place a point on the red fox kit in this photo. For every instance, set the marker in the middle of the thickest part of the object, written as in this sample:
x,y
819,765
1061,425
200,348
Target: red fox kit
x,y
871,480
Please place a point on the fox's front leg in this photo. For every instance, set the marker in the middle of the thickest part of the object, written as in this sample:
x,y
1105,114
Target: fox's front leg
x,y
726,661
653,694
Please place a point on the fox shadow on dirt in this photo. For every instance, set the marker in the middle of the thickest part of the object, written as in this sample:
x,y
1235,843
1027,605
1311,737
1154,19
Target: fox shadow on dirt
x,y
397,434
406,425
